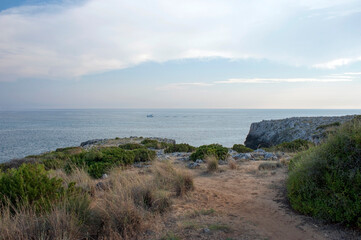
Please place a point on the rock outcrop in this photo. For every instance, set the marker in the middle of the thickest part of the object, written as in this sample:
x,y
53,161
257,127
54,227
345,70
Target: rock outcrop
x,y
268,133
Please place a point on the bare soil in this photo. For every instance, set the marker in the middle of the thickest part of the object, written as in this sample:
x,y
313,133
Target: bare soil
x,y
244,203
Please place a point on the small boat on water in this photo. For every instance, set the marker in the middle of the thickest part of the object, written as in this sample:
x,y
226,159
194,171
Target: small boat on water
x,y
150,115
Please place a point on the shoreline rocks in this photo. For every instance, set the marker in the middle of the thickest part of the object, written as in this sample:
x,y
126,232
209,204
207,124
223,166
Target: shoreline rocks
x,y
268,133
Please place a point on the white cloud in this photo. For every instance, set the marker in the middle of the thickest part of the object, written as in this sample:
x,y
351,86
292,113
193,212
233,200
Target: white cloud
x,y
284,80
57,41
337,63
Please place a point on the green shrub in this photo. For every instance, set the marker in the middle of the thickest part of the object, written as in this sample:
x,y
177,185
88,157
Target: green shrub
x,y
240,148
335,124
143,155
100,161
30,184
152,143
131,146
325,181
214,149
294,146
182,147
96,170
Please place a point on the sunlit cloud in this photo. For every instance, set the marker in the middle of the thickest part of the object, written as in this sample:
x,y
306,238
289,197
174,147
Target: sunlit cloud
x,y
337,63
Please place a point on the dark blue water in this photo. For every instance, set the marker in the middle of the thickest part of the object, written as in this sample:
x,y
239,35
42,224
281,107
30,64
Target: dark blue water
x,y
31,132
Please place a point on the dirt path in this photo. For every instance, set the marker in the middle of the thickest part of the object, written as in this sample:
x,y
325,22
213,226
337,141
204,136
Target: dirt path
x,y
242,204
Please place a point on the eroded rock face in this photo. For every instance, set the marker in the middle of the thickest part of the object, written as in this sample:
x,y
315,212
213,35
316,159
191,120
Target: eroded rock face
x,y
268,133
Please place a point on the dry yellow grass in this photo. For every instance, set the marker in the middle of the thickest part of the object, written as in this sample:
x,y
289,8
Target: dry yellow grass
x,y
232,164
212,163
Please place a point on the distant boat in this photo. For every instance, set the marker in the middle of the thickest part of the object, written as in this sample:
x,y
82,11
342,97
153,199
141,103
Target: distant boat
x,y
150,115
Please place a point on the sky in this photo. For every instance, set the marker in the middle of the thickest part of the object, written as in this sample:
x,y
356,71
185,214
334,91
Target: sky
x,y
57,54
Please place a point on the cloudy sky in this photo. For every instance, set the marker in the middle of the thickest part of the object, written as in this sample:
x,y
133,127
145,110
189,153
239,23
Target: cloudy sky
x,y
180,54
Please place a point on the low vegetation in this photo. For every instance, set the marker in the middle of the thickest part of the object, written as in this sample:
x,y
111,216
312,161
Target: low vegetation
x,y
182,147
335,124
212,163
155,144
216,150
325,181
232,164
240,148
50,204
132,146
294,146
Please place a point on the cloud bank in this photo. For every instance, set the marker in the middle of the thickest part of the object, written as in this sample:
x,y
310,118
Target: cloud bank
x,y
75,39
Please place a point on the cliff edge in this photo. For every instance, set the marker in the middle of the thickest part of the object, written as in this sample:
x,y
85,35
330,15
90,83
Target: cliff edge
x,y
268,133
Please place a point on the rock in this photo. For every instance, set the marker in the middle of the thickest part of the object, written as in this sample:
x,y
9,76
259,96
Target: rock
x,y
193,165
199,161
92,142
206,230
221,162
242,156
269,156
260,150
268,133
104,176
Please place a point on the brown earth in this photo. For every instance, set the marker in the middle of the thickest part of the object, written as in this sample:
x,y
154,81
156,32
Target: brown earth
x,y
245,203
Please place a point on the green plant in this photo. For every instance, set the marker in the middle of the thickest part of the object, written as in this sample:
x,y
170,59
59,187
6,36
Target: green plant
x,y
325,181
143,155
182,147
216,150
294,146
152,143
335,124
131,146
30,184
240,148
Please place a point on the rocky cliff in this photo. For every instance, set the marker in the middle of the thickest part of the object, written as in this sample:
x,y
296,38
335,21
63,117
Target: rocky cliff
x,y
268,133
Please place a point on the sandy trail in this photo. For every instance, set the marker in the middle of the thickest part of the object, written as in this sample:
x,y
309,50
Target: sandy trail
x,y
242,204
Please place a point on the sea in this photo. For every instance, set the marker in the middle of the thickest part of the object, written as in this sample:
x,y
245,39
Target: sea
x,y
25,133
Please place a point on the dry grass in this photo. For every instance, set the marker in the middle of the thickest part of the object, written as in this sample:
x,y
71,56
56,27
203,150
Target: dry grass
x,y
177,180
123,210
269,166
79,176
212,163
25,224
232,164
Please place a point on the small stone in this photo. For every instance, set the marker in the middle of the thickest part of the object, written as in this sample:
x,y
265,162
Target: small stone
x,y
104,176
206,230
221,162
199,161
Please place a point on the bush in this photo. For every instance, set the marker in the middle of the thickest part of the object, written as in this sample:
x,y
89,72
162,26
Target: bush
x,y
182,147
335,124
100,161
294,146
214,149
152,143
30,184
240,148
212,163
325,181
131,146
143,155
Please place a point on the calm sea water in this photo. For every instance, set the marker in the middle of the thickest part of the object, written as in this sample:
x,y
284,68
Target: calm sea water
x,y
31,132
